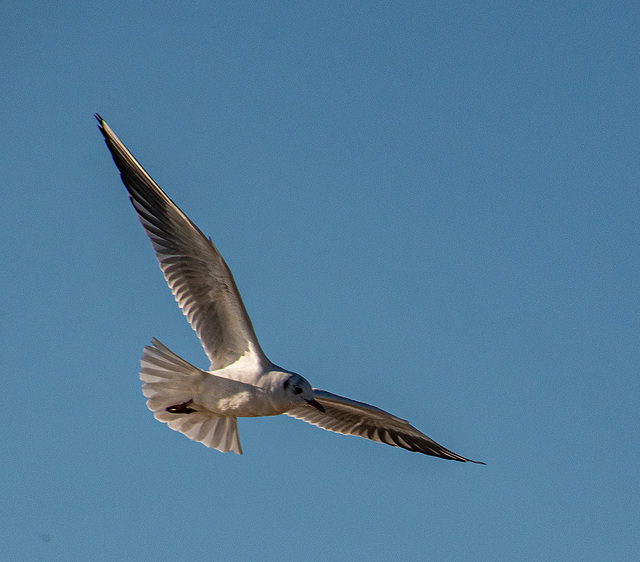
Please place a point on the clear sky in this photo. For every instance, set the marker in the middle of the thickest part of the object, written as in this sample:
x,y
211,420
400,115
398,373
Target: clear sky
x,y
428,206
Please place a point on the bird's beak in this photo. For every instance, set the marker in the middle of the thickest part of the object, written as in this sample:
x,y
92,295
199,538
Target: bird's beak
x,y
316,405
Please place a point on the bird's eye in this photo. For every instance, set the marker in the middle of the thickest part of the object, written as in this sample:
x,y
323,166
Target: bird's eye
x,y
297,390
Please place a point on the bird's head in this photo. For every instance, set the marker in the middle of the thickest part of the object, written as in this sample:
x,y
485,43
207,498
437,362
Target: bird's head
x,y
298,389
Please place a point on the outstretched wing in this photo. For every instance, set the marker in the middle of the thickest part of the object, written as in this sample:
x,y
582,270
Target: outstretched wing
x,y
197,274
350,417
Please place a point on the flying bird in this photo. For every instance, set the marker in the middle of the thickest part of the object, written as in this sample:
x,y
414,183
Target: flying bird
x,y
241,381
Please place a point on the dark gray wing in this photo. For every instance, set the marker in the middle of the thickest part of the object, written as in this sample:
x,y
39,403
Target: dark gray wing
x,y
351,417
194,269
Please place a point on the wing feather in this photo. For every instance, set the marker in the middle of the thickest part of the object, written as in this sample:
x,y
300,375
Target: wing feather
x,y
350,417
198,276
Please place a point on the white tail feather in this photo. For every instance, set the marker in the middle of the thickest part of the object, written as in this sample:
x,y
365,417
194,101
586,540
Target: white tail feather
x,y
169,381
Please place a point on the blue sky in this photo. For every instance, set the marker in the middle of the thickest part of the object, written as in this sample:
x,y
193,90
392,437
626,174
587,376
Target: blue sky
x,y
429,206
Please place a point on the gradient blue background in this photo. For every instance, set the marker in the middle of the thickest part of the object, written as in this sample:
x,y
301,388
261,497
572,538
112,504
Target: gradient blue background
x,y
429,206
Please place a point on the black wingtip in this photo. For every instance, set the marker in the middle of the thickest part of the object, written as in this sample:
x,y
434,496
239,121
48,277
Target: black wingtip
x,y
101,124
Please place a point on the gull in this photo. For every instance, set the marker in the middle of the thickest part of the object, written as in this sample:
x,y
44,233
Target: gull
x,y
241,381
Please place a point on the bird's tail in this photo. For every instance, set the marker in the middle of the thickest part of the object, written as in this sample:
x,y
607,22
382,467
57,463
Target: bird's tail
x,y
170,384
